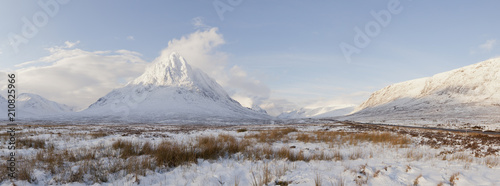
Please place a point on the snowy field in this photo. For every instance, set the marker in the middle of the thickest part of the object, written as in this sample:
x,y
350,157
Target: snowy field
x,y
292,154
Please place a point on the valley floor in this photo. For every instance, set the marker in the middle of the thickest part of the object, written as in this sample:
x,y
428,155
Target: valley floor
x,y
292,154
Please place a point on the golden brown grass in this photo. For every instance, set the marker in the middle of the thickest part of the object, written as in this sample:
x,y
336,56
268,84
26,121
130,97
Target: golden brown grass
x,y
317,180
415,182
30,143
454,178
492,161
263,177
273,135
138,158
356,154
98,134
305,137
242,130
462,156
379,137
414,154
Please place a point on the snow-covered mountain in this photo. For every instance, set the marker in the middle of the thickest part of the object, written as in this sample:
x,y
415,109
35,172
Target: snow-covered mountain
x,y
320,112
170,90
466,95
33,106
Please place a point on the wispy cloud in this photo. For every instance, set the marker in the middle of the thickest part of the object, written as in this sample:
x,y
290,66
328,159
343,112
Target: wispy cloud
x,y
131,38
488,45
88,75
75,73
199,23
70,44
200,50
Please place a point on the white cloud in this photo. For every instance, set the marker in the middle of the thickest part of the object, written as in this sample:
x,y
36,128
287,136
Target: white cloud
x,y
250,87
131,38
488,45
275,107
67,73
198,23
310,99
70,44
199,49
77,77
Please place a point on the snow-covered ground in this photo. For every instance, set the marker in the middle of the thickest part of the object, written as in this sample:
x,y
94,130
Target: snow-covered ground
x,y
328,154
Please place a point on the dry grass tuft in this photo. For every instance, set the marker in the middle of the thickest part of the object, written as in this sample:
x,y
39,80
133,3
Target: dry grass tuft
x,y
462,156
317,180
408,168
380,137
492,161
454,178
30,143
340,181
304,137
414,154
356,154
242,130
376,173
271,136
262,178
415,182
98,134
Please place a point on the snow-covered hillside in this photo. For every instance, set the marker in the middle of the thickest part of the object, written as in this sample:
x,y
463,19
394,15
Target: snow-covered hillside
x,y
466,95
33,106
170,90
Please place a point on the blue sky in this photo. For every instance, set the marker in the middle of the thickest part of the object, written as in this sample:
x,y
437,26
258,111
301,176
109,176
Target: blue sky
x,y
290,48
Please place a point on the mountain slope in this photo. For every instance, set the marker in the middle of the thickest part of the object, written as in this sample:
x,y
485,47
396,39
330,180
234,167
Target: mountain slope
x,y
35,106
170,90
457,97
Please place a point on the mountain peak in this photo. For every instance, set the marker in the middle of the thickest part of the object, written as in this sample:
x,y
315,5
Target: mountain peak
x,y
167,70
170,89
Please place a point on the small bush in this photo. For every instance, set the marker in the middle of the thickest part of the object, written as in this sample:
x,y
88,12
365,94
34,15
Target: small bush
x,y
98,134
454,178
30,143
415,182
304,137
242,130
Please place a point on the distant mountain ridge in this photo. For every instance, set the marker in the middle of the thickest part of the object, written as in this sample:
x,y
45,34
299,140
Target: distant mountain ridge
x,y
32,106
320,112
466,95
